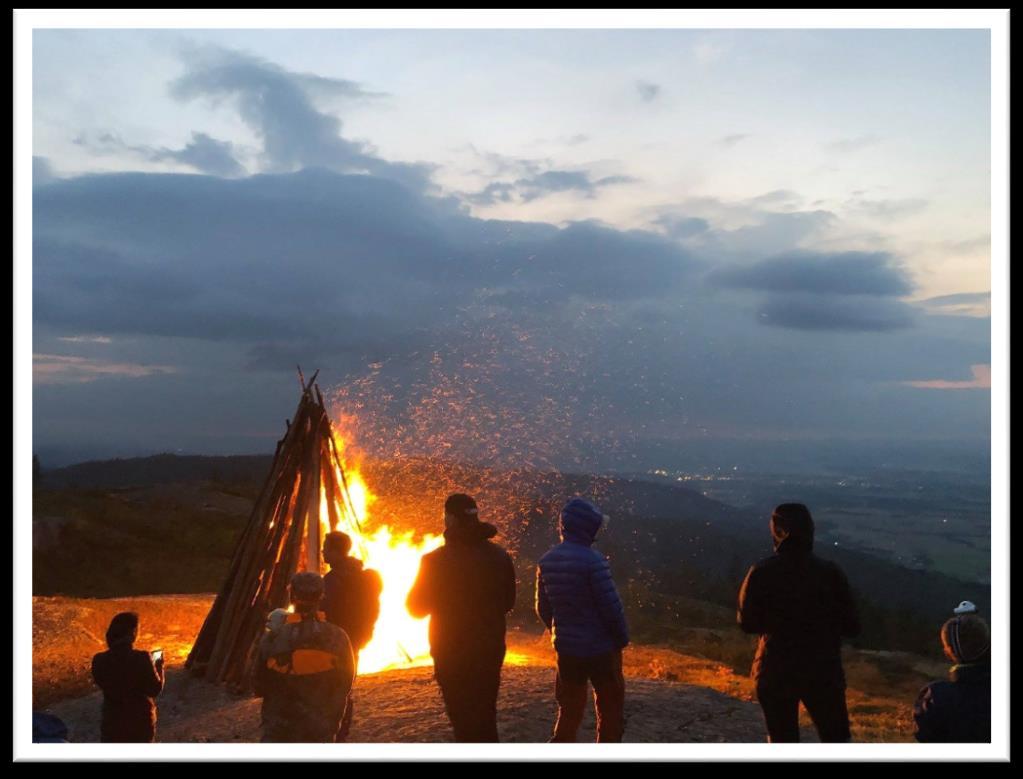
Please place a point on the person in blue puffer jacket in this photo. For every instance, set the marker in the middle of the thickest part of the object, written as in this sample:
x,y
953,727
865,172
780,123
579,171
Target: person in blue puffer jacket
x,y
577,600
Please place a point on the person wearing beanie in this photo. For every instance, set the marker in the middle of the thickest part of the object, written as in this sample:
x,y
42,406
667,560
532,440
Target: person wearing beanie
x,y
305,670
802,607
130,680
351,600
466,587
577,601
959,710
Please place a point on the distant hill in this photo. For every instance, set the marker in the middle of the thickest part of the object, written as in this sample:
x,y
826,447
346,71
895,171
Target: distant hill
x,y
159,469
168,524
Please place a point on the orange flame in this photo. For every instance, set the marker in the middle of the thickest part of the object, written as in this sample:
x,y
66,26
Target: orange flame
x,y
399,640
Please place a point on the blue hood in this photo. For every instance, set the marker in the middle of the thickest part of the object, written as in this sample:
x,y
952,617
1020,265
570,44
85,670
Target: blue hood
x,y
580,521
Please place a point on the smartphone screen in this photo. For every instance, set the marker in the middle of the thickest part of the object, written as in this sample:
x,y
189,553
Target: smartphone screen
x,y
157,654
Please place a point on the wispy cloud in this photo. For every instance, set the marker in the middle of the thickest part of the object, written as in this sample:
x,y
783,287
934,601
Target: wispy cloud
x,y
67,369
981,380
961,304
85,339
888,209
708,52
856,143
729,141
203,152
648,91
535,179
279,106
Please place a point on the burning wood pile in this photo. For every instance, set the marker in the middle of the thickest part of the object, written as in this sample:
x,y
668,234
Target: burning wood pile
x,y
307,488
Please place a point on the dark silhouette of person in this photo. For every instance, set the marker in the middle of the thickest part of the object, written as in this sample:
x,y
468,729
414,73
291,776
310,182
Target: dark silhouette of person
x,y
351,600
466,587
130,681
48,729
305,670
802,607
958,710
577,600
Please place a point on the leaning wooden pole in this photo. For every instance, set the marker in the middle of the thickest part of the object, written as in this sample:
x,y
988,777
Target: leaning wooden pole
x,y
283,535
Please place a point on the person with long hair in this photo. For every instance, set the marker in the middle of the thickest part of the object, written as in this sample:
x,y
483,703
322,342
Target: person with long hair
x,y
130,680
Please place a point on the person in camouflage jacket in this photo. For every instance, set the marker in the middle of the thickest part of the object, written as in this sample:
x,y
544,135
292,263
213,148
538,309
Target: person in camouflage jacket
x,y
305,672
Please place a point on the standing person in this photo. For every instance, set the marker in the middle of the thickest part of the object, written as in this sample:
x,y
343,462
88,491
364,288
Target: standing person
x,y
351,600
130,680
802,607
305,670
577,600
466,587
959,710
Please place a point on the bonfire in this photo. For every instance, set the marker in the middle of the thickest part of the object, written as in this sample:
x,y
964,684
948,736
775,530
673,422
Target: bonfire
x,y
313,488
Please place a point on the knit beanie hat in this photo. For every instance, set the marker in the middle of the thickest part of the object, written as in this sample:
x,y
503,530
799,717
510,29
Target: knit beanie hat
x,y
306,590
966,638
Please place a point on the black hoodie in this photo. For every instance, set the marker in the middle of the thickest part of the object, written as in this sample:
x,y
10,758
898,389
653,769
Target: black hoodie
x,y
466,587
801,606
351,599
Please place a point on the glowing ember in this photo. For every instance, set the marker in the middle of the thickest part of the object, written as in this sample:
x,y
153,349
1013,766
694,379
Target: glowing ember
x,y
399,640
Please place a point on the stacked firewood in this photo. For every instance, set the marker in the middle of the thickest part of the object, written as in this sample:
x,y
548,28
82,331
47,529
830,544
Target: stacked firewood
x,y
281,538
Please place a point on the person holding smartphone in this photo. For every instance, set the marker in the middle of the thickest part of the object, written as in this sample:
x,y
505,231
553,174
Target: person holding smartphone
x,y
130,680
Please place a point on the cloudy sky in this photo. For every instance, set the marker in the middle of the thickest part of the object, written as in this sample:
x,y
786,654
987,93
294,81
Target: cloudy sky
x,y
607,240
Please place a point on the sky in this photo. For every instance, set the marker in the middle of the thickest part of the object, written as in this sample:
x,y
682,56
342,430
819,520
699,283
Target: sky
x,y
573,247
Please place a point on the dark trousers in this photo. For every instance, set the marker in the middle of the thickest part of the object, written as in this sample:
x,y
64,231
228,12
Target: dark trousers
x,y
824,701
605,673
346,719
469,685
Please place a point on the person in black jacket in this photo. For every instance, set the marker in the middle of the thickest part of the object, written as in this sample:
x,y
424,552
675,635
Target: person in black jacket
x,y
466,587
959,710
351,600
130,680
802,607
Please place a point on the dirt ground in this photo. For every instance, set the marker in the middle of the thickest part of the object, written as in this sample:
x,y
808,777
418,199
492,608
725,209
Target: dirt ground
x,y
405,706
671,696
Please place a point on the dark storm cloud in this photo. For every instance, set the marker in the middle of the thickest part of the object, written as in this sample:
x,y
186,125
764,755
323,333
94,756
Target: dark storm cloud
x,y
850,314
348,262
834,273
277,105
648,91
539,185
212,279
337,263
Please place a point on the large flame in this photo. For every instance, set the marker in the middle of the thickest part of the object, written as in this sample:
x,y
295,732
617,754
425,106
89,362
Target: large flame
x,y
399,640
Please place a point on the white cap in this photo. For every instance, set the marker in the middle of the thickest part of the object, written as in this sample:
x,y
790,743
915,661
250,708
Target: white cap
x,y
966,607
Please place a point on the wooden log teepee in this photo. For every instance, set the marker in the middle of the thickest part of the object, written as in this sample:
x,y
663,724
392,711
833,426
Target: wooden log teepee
x,y
282,537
